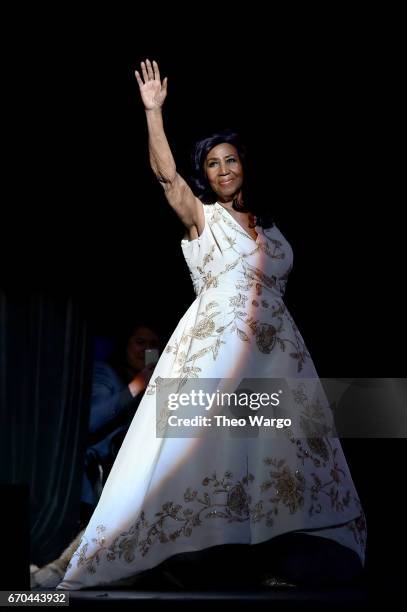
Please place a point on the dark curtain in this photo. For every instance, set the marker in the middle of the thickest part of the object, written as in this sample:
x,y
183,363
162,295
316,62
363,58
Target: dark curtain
x,y
45,375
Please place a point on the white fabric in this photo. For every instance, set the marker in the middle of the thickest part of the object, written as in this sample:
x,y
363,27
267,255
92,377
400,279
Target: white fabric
x,y
167,495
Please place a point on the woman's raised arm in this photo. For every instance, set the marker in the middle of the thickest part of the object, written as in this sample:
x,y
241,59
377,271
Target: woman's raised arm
x,y
178,193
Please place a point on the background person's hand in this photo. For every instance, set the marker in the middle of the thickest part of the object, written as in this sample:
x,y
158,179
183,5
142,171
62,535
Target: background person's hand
x,y
147,372
152,91
141,380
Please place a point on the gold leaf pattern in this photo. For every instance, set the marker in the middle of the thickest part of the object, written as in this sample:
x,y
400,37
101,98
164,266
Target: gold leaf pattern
x,y
252,276
224,499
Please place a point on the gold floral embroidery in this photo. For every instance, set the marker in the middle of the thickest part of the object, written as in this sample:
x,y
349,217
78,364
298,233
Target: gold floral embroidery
x,y
204,328
228,499
267,335
230,222
276,252
231,242
359,530
238,301
281,281
317,424
289,488
209,256
224,499
257,275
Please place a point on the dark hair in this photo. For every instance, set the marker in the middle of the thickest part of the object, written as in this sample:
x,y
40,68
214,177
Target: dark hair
x,y
118,357
252,202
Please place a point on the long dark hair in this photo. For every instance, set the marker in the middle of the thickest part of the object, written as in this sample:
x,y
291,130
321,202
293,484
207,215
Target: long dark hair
x,y
252,202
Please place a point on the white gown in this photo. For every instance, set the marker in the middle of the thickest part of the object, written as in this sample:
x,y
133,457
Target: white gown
x,y
168,495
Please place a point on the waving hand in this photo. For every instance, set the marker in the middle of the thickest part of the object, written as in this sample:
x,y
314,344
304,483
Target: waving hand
x,y
152,91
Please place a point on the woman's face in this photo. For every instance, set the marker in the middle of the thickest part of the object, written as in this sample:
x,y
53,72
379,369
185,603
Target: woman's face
x,y
142,338
224,171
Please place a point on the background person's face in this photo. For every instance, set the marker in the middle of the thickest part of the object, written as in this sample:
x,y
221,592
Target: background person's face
x,y
142,338
224,171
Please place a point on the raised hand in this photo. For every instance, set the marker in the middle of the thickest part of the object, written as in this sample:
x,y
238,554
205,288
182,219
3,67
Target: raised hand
x,y
152,91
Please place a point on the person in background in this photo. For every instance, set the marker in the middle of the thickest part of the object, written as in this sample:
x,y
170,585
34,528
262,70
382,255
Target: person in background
x,y
118,386
119,382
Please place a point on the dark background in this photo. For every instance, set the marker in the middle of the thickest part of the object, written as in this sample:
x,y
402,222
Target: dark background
x,y
318,108
318,101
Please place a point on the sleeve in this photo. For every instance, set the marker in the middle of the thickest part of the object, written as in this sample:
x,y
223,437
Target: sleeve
x,y
109,399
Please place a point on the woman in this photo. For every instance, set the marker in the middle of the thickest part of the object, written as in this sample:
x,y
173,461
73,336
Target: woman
x,y
118,385
181,498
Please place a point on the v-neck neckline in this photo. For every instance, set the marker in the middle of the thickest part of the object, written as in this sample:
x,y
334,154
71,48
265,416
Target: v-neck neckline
x,y
255,240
